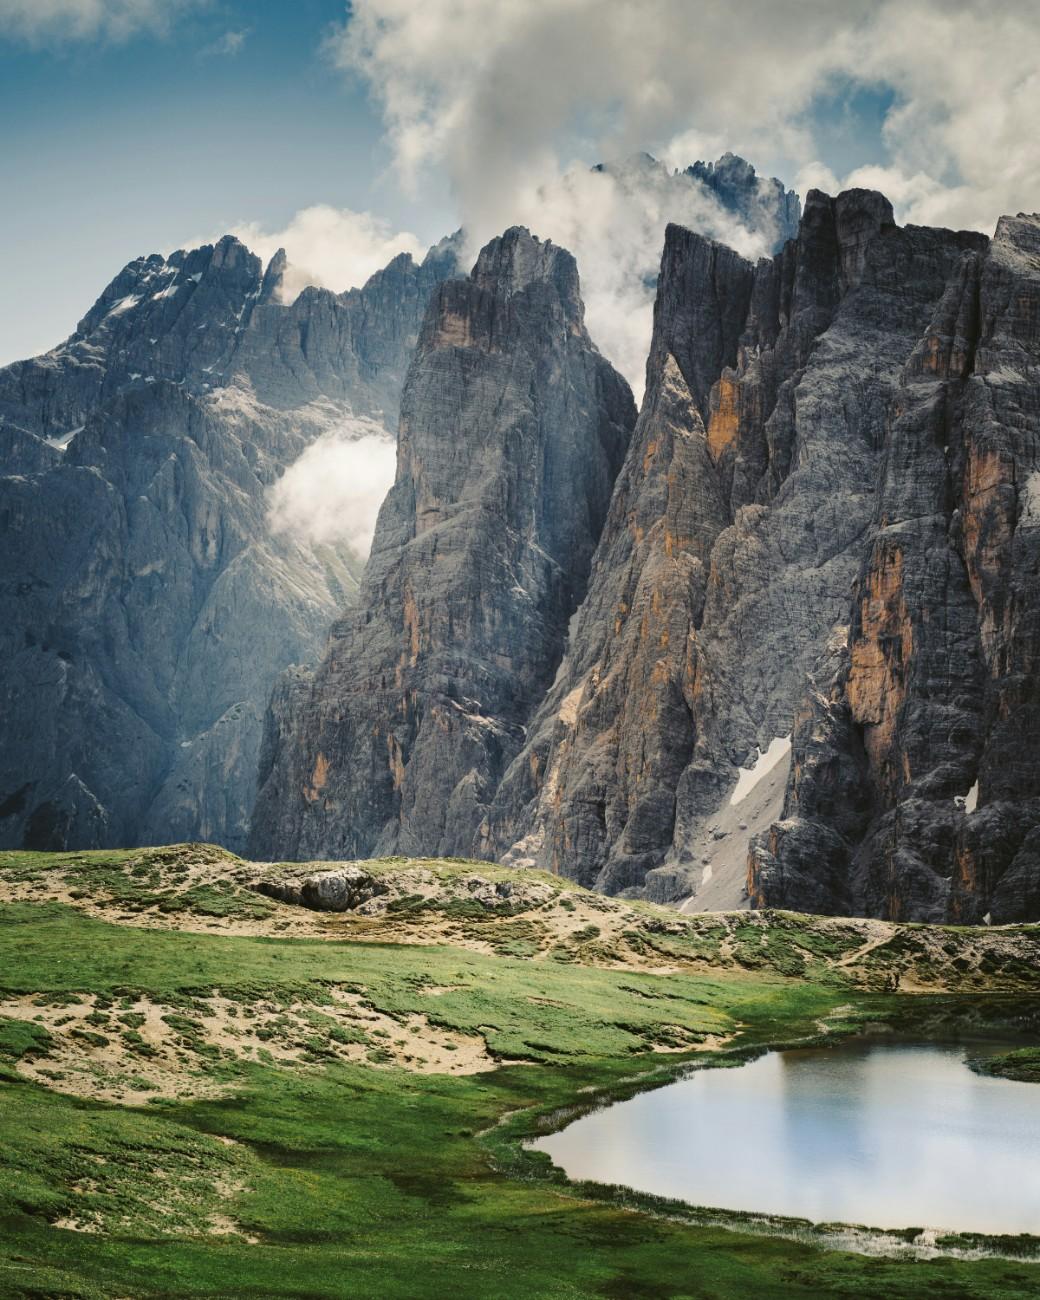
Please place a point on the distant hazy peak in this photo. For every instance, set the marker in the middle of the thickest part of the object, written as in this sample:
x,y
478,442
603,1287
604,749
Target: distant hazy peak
x,y
763,204
740,189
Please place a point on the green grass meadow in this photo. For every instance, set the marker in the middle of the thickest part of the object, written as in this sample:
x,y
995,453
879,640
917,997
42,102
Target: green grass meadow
x,y
364,1181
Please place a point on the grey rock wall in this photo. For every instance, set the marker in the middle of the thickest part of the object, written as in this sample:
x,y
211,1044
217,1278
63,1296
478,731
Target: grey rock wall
x,y
915,790
145,608
512,430
739,523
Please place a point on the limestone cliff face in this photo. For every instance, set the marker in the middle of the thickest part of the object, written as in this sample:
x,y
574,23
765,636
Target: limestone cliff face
x,y
930,715
145,608
740,521
512,431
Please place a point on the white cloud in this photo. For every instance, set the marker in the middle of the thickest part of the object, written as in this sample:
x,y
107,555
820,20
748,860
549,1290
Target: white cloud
x,y
228,44
504,93
332,247
62,22
613,222
962,138
489,88
333,492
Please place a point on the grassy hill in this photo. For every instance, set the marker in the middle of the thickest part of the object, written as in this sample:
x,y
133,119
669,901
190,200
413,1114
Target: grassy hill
x,y
211,1091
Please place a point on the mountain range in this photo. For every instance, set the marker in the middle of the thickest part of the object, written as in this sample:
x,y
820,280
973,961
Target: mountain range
x,y
146,606
813,552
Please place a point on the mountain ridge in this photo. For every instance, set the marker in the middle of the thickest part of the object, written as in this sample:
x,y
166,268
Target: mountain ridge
x,y
821,528
776,424
147,606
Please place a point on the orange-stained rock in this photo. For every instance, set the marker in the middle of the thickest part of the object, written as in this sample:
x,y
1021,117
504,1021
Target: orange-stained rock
x,y
881,650
724,421
944,661
512,431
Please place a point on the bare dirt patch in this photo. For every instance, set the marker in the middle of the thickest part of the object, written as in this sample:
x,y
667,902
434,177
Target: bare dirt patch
x,y
139,1050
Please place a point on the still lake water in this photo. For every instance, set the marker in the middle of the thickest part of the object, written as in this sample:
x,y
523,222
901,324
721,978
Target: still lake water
x,y
887,1135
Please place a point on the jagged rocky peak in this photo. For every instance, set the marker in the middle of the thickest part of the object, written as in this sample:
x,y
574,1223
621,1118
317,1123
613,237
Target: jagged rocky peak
x,y
274,275
739,522
173,319
741,190
157,279
518,276
763,207
173,293
915,791
146,607
213,317
518,259
701,331
512,431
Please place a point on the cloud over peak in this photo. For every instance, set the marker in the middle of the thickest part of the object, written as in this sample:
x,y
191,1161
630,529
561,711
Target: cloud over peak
x,y
336,248
332,493
503,93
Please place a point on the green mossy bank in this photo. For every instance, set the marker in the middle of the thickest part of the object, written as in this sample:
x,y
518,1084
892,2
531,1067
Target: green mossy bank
x,y
329,1177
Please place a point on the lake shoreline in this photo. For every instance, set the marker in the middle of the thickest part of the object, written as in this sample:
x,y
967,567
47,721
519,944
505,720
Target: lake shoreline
x,y
1003,1037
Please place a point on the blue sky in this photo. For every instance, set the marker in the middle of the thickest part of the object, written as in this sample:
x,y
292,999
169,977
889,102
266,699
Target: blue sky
x,y
113,150
121,140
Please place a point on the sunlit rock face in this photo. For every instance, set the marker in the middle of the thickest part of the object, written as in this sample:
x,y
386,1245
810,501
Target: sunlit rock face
x,y
915,789
146,609
746,511
513,428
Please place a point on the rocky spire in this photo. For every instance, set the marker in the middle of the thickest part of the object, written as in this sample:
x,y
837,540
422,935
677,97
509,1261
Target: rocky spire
x,y
273,276
915,791
512,430
739,521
